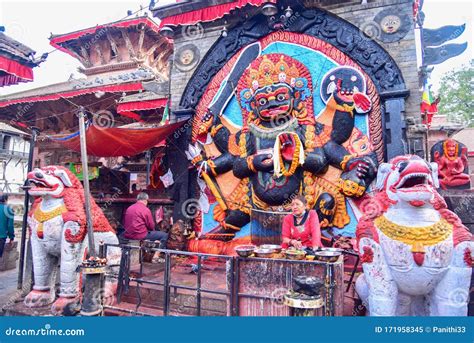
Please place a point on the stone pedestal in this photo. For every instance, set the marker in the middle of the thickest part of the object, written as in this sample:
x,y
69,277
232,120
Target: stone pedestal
x,y
461,202
10,256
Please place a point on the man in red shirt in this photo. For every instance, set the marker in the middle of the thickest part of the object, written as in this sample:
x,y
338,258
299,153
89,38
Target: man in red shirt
x,y
139,223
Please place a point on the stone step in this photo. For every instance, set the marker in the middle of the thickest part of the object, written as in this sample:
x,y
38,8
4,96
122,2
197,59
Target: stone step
x,y
125,309
19,309
182,301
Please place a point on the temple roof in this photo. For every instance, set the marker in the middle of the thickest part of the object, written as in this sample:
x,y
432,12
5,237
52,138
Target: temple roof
x,y
16,61
200,11
76,87
120,45
17,50
143,96
10,129
57,39
465,136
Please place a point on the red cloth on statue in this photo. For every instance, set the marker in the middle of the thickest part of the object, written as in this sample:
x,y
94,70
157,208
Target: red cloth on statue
x,y
138,220
309,237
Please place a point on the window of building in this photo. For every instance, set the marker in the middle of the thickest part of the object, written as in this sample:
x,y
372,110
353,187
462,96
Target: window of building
x,y
6,142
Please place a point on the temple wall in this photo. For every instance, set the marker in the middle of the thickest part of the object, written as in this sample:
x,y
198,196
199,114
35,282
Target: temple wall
x,y
180,77
403,51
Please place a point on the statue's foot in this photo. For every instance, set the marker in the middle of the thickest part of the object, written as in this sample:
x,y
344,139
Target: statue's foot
x,y
38,298
66,306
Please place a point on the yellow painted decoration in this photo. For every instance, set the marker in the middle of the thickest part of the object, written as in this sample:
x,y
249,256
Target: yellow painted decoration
x,y
418,237
42,217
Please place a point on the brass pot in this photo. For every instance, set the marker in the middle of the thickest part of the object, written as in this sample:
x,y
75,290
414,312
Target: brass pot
x,y
295,254
327,256
265,253
276,248
244,250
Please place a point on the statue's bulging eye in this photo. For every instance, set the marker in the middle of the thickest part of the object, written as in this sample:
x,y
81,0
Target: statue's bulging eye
x,y
402,165
262,102
281,97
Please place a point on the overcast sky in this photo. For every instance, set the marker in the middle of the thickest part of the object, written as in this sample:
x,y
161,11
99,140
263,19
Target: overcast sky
x,y
31,23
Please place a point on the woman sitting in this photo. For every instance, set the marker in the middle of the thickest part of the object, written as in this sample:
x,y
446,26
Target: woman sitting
x,y
301,228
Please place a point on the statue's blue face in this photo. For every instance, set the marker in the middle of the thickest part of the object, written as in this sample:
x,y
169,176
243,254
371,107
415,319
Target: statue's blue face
x,y
274,101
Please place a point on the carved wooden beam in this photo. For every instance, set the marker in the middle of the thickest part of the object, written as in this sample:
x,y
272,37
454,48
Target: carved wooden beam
x,y
128,43
158,59
160,65
161,61
98,49
85,59
140,42
113,46
152,49
156,46
54,107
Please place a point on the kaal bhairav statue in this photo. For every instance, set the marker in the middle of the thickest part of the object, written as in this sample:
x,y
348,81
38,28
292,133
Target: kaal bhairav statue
x,y
282,149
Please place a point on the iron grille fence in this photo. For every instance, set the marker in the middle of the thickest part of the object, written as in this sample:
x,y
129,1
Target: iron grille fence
x,y
248,280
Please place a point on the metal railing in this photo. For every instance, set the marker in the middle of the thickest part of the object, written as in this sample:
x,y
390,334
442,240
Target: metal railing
x,y
124,278
232,293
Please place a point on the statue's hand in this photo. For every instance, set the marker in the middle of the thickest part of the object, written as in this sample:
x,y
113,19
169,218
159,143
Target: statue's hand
x,y
263,162
350,185
456,171
362,102
363,167
194,155
288,146
357,170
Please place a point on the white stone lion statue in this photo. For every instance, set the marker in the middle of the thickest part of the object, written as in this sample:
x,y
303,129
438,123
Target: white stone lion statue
x,y
416,254
57,224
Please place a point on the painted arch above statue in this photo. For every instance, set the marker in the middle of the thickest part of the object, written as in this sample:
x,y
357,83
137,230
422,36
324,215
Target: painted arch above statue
x,y
373,59
314,87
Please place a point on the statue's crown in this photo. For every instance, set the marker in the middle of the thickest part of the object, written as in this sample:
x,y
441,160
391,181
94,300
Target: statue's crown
x,y
269,72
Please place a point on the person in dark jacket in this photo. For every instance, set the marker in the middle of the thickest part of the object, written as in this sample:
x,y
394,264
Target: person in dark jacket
x,y
6,223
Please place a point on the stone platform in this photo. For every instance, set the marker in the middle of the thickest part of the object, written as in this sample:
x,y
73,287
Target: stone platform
x,y
461,202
